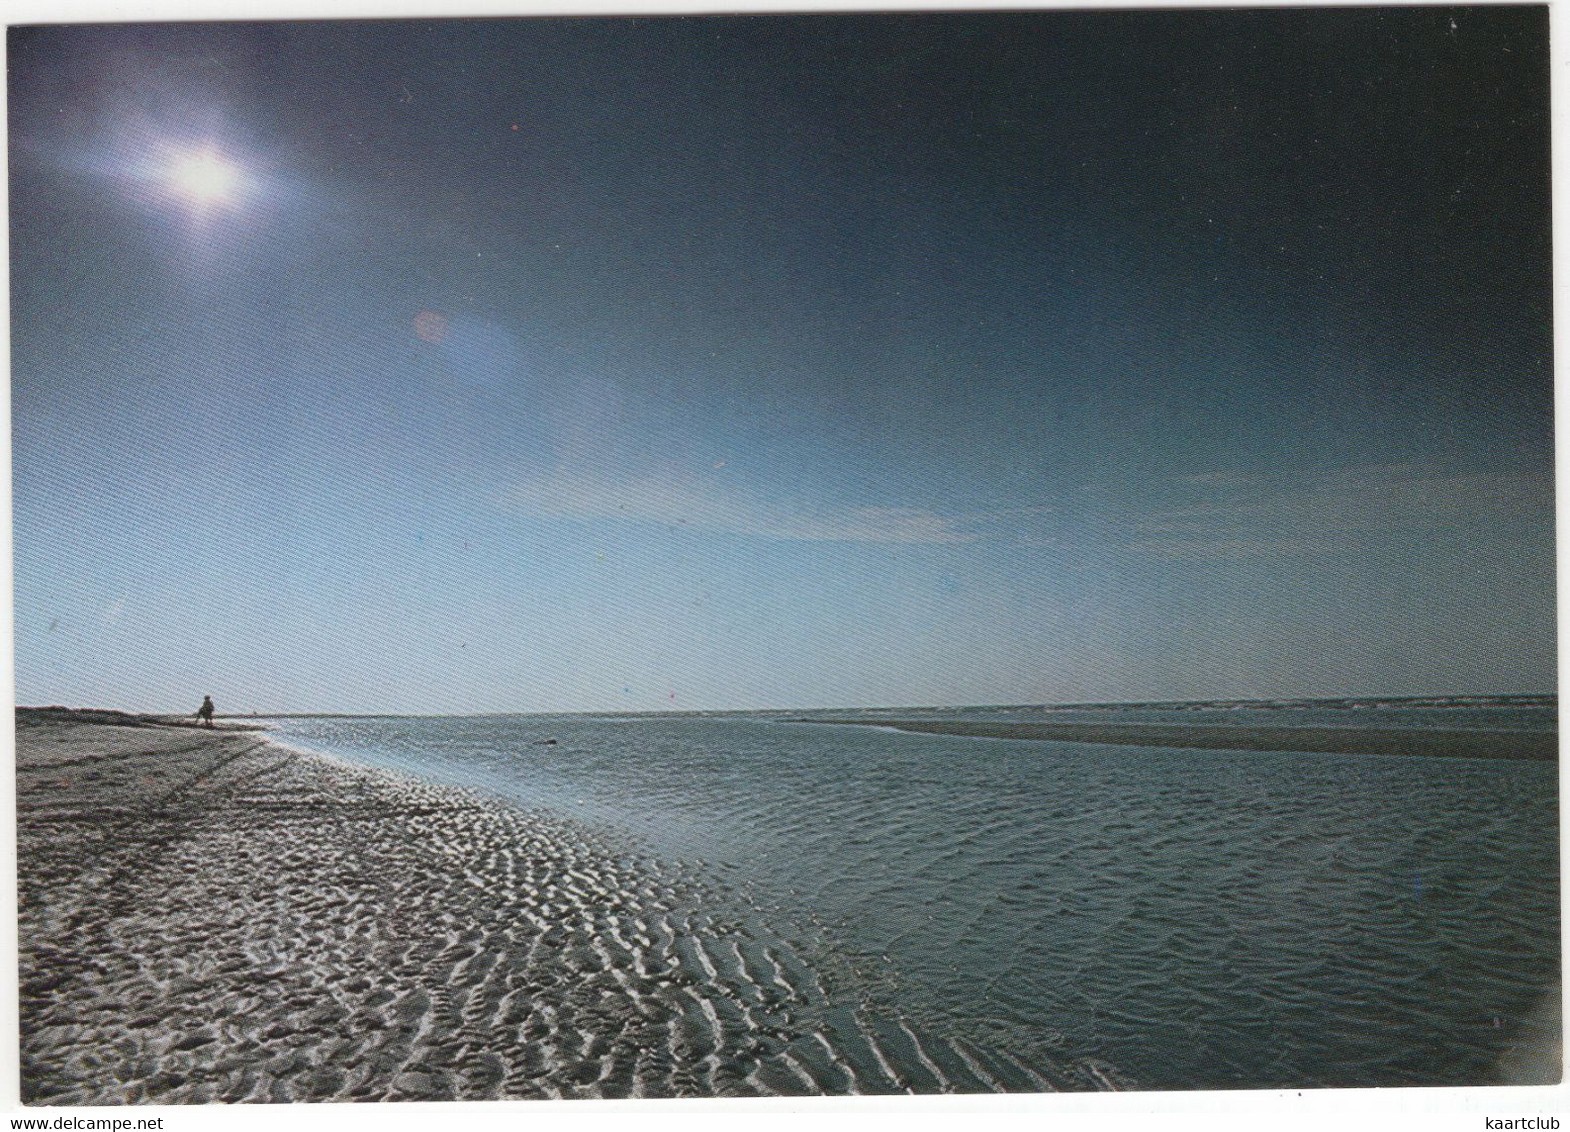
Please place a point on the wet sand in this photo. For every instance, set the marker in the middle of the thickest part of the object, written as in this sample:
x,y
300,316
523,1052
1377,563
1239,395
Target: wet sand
x,y
1326,740
206,916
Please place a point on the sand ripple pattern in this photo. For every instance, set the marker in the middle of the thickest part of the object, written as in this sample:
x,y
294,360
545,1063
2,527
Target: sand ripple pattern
x,y
233,921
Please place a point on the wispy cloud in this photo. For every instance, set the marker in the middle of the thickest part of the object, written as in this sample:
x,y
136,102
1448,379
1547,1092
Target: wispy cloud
x,y
1232,516
686,503
1205,516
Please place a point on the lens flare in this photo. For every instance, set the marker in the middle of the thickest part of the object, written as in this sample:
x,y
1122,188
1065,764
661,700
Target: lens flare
x,y
430,327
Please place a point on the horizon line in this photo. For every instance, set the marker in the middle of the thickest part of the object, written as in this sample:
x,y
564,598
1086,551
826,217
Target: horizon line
x,y
1220,702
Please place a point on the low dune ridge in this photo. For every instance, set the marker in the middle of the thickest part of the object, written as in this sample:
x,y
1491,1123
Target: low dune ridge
x,y
211,917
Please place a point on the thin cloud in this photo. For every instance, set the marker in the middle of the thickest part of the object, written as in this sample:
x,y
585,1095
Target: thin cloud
x,y
1215,516
1254,515
685,504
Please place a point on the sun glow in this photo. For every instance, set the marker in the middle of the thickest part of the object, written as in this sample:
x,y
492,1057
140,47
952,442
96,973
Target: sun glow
x,y
204,177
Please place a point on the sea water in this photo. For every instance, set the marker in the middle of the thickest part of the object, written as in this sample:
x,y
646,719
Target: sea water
x,y
1178,918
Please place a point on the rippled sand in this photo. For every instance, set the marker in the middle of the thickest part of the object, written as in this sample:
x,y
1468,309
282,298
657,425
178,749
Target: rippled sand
x,y
209,917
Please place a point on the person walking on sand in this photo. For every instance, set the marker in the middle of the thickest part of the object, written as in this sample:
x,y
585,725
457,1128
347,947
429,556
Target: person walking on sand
x,y
205,712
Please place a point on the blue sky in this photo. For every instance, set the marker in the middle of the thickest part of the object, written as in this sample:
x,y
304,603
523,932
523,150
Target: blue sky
x,y
704,363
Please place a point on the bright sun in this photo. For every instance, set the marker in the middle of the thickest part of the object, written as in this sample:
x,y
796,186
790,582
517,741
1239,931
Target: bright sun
x,y
204,177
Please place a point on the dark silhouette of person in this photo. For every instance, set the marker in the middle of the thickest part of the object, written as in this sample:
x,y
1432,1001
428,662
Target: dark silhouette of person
x,y
205,712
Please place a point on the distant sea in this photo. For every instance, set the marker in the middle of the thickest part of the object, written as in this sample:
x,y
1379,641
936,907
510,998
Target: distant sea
x,y
1142,916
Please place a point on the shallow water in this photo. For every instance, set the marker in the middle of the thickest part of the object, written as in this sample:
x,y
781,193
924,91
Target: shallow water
x,y
1171,919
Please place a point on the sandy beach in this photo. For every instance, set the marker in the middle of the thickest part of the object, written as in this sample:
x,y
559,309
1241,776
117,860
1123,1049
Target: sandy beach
x,y
206,916
1454,743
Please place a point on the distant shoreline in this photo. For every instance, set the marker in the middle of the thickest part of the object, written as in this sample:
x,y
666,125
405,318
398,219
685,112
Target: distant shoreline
x,y
257,719
1435,742
112,718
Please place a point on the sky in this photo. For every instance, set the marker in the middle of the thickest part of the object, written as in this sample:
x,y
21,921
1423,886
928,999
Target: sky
x,y
693,363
